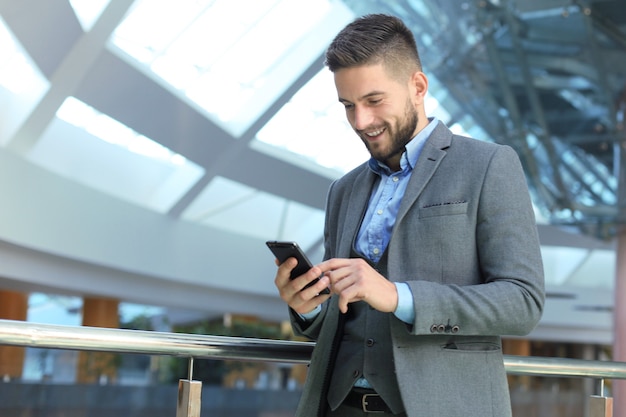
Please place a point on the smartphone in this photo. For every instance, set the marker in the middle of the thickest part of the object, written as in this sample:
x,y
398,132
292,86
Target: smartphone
x,y
285,250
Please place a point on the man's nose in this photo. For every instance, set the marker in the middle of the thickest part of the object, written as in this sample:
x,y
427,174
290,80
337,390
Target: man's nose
x,y
362,118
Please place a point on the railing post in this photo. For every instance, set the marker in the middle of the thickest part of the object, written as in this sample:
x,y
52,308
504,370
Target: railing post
x,y
189,395
599,405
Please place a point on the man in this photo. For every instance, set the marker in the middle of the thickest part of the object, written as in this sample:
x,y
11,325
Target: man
x,y
431,251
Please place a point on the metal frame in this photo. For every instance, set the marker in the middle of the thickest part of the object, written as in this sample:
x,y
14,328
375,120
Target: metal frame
x,y
18,333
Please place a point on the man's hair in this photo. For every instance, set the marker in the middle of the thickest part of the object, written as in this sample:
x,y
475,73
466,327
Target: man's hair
x,y
375,39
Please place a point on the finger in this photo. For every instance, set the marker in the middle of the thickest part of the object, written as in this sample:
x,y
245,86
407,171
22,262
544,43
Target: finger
x,y
284,271
343,305
295,291
333,264
303,302
305,279
317,288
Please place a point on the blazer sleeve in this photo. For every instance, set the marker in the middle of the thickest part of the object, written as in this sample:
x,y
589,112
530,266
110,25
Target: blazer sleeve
x,y
311,329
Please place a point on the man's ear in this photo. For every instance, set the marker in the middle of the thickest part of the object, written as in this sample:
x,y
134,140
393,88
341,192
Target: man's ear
x,y
419,86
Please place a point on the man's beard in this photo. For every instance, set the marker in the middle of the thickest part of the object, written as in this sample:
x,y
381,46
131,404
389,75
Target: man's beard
x,y
399,136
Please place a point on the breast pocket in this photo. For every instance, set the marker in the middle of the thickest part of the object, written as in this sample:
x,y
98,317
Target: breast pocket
x,y
444,209
447,232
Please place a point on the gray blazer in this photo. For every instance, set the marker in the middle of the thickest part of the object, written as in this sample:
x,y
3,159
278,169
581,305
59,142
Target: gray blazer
x,y
466,242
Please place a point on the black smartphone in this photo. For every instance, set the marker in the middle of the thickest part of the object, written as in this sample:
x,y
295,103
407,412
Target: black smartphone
x,y
285,250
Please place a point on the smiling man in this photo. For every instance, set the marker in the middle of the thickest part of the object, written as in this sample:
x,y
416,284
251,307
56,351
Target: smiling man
x,y
431,251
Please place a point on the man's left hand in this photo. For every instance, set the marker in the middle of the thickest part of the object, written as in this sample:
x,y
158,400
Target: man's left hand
x,y
355,280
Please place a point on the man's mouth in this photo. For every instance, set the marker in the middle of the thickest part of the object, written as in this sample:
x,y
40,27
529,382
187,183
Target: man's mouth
x,y
374,133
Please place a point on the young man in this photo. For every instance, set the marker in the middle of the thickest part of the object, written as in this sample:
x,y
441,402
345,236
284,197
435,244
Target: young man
x,y
431,251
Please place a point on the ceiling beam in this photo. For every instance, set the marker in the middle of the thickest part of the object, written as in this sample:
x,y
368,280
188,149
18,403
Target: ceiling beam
x,y
68,76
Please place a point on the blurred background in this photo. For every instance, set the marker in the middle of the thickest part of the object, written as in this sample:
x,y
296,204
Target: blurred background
x,y
149,148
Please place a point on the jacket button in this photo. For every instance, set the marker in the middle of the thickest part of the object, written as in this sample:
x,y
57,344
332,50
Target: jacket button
x,y
370,342
356,373
441,328
433,328
455,329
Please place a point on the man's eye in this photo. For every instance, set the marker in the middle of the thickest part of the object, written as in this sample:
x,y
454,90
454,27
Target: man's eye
x,y
348,106
375,101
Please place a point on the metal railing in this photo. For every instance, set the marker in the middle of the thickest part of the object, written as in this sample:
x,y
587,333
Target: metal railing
x,y
17,333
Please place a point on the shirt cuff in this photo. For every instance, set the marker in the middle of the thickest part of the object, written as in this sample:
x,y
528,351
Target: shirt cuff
x,y
311,314
405,310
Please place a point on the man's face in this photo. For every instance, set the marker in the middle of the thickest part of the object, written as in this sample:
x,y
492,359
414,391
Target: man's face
x,y
379,109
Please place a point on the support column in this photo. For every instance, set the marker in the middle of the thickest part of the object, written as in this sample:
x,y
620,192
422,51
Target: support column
x,y
13,306
98,367
619,323
619,308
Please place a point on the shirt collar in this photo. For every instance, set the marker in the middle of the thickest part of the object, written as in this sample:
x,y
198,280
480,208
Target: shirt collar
x,y
411,153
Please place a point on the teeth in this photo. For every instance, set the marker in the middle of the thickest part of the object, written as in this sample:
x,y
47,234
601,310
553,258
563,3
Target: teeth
x,y
375,133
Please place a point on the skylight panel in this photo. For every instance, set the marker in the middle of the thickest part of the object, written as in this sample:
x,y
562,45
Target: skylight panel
x,y
110,130
313,125
17,73
151,27
88,11
96,150
233,62
229,205
21,84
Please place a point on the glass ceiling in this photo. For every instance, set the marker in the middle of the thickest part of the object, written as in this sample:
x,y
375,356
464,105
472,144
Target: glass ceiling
x,y
231,61
21,84
172,54
92,148
213,54
303,126
281,218
88,11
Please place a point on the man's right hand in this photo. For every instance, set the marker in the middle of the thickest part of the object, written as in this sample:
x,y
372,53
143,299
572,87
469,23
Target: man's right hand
x,y
300,300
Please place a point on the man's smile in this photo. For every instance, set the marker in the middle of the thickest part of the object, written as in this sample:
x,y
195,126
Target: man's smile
x,y
374,133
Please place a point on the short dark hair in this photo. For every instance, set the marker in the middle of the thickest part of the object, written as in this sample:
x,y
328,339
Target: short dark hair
x,y
374,39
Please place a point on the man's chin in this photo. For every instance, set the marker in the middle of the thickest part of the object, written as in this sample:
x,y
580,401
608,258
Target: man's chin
x,y
379,156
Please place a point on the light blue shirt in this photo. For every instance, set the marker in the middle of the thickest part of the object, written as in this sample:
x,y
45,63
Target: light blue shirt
x,y
382,210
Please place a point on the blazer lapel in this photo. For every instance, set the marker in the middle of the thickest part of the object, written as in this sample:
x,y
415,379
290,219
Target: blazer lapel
x,y
357,203
433,153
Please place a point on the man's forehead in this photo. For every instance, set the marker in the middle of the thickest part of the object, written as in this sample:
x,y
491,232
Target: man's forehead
x,y
358,83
